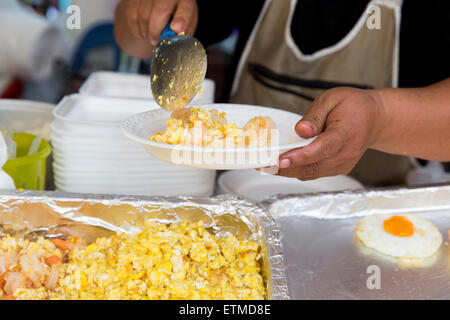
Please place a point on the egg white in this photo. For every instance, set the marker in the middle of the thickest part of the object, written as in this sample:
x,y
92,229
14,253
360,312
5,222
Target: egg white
x,y
424,242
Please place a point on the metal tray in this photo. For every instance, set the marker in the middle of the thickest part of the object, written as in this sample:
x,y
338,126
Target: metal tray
x,y
90,216
325,262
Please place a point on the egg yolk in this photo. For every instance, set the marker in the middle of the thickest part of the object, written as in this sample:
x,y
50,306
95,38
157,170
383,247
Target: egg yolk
x,y
399,226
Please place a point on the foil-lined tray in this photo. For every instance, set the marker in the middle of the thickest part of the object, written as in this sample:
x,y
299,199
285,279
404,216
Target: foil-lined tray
x,y
54,214
324,261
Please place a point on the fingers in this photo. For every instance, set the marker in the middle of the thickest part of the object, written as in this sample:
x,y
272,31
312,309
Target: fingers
x,y
185,17
305,130
314,120
160,15
133,17
324,147
325,168
147,18
144,10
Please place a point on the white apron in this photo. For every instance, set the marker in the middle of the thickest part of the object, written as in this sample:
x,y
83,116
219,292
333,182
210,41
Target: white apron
x,y
274,72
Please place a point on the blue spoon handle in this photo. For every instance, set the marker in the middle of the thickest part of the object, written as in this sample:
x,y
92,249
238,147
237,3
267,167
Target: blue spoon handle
x,y
167,32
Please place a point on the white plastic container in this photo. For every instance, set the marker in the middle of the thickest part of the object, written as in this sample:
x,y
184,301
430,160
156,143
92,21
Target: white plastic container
x,y
6,182
256,186
92,155
155,191
79,110
133,86
26,116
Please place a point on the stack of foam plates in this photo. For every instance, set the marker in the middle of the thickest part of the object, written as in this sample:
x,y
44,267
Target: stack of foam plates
x,y
134,86
258,186
91,155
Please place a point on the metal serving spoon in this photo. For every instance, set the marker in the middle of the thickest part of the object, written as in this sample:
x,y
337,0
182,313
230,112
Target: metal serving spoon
x,y
178,69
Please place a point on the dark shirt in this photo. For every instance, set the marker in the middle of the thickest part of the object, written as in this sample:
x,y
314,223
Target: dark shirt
x,y
424,35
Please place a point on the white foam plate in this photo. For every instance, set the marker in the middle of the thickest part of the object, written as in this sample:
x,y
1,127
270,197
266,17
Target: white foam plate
x,y
257,186
117,169
92,173
86,130
107,159
133,86
77,110
127,188
150,191
108,154
143,180
102,145
99,152
58,128
141,126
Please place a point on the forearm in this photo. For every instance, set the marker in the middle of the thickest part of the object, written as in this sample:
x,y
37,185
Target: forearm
x,y
416,122
127,41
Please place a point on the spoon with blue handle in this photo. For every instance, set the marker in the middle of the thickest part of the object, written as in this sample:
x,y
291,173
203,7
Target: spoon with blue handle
x,y
178,69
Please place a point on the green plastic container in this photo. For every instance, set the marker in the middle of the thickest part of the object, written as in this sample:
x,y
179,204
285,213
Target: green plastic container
x,y
28,172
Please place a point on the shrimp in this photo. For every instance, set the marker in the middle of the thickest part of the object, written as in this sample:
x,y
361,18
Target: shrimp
x,y
33,268
218,117
14,281
258,131
4,263
260,123
7,260
52,279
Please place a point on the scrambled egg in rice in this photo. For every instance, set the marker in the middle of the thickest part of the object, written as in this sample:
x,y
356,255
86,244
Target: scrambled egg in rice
x,y
178,261
201,128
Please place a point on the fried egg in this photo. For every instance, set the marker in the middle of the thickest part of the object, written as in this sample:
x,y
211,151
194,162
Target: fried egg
x,y
406,237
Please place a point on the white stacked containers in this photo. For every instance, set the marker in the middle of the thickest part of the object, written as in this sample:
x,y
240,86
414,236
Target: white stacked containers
x,y
132,86
91,155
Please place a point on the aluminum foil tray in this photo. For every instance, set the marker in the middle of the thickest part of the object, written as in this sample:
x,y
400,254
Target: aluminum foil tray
x,y
29,214
325,262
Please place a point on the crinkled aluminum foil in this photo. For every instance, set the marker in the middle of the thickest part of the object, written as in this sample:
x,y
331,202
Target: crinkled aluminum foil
x,y
53,214
323,260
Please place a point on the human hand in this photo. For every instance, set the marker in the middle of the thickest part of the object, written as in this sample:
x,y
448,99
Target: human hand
x,y
348,121
147,18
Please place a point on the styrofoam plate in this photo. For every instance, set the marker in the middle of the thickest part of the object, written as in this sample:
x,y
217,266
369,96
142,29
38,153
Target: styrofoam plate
x,y
141,126
96,147
106,159
126,190
117,169
58,128
177,181
86,130
70,150
76,109
97,153
155,188
133,86
87,172
257,186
